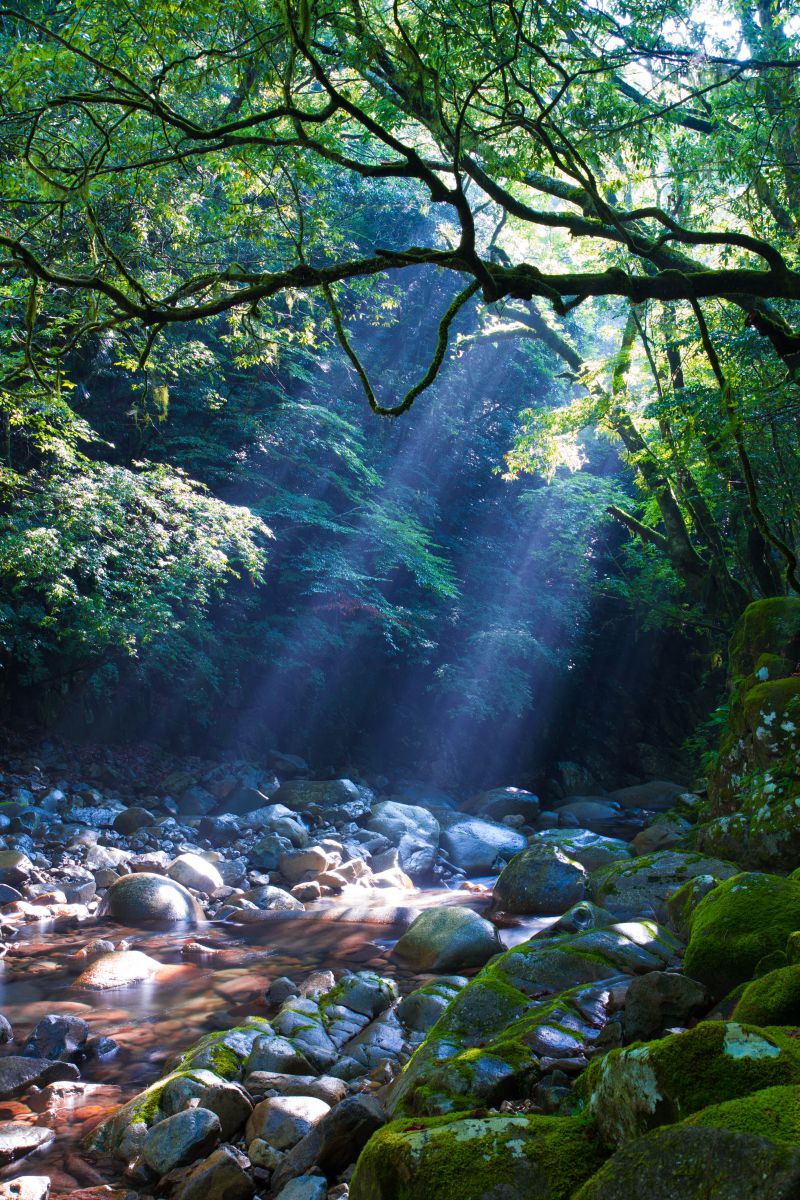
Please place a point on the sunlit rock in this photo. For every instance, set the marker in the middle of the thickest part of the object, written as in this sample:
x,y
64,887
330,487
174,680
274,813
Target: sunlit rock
x,y
142,898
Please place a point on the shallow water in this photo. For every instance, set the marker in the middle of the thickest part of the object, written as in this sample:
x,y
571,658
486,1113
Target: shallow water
x,y
194,993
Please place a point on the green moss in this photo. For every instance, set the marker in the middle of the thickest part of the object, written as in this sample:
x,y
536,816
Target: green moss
x,y
772,1113
542,1158
774,999
737,924
640,1087
145,1107
765,627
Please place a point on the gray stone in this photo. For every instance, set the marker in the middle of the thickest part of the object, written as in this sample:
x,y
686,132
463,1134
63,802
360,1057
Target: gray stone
x,y
132,819
643,885
196,872
17,1074
182,1139
412,830
15,867
305,1187
26,1187
120,969
591,850
326,797
655,795
274,899
501,802
18,1139
284,1120
143,898
335,1142
659,1001
475,845
224,1175
539,880
296,866
57,1037
448,939
324,1087
231,1104
277,1054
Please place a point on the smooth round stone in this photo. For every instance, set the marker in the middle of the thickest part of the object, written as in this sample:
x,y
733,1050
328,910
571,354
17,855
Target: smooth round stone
x,y
119,969
539,880
18,1139
448,939
181,1139
143,898
194,871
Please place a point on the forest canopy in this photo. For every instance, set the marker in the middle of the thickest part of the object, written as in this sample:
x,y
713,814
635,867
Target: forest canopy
x,y
354,205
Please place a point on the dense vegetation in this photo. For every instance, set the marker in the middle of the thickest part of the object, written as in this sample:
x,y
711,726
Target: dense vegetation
x,y
394,372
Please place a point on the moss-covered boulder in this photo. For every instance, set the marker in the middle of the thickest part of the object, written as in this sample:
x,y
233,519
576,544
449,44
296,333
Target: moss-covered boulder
x,y
681,905
487,1158
634,1090
448,939
544,998
642,886
773,1113
541,879
737,924
688,1163
754,787
773,999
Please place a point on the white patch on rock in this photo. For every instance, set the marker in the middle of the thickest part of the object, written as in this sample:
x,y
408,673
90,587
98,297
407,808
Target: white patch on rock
x,y
740,1043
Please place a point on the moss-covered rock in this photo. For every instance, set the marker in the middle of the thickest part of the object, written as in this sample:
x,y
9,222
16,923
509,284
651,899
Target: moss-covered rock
x,y
145,1108
689,1163
541,879
488,1158
737,924
681,905
634,1090
642,886
772,1113
774,999
754,786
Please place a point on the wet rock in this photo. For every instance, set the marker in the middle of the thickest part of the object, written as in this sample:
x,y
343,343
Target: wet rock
x,y
17,1074
659,1001
195,872
196,802
335,1142
683,1163
448,939
306,893
8,894
278,1054
668,830
244,800
643,885
323,1087
591,850
6,1032
474,845
224,1175
120,969
288,765
274,899
598,816
412,830
181,1139
281,989
657,794
539,880
231,1104
583,915
479,1158
421,1009
143,898
681,905
18,1139
15,867
283,1120
278,819
305,1187
497,803
57,1037
296,866
26,1187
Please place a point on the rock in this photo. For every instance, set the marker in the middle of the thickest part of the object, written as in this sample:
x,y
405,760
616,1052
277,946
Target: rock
x,y
448,939
599,816
581,916
335,1142
630,1091
26,1187
657,794
6,1032
497,803
643,885
332,798
288,765
120,969
57,1037
323,1087
18,1139
737,924
274,899
668,830
196,802
231,1104
683,1163
224,1175
307,893
478,1158
539,880
412,830
195,872
144,898
17,1074
474,845
277,818
774,999
421,1009
181,1139
132,819
15,867
297,866
283,1120
681,905
591,850
8,894
661,1000
305,1187
277,1054
244,800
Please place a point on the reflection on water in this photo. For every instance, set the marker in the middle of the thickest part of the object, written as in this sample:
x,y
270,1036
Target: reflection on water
x,y
210,978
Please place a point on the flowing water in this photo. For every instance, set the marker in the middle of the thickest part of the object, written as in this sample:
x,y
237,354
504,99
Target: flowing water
x,y
211,978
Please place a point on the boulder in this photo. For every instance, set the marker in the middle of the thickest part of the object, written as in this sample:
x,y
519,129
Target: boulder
x,y
659,1001
182,1139
26,1187
412,830
658,794
643,886
448,939
195,872
774,999
477,1158
118,969
501,802
475,845
737,924
335,1142
132,819
591,850
57,1037
224,1175
283,1120
541,879
670,829
18,1139
331,798
17,1074
143,899
15,867
597,815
